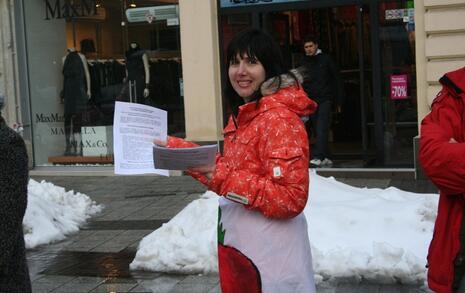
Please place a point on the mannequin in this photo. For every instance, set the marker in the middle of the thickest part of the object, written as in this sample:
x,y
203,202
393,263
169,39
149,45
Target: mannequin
x,y
138,73
76,93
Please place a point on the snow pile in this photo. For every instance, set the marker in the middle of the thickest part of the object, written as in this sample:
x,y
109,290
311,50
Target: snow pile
x,y
185,244
355,233
52,213
374,234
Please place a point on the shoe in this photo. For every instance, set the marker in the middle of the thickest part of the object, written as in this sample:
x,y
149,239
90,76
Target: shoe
x,y
315,162
326,162
67,150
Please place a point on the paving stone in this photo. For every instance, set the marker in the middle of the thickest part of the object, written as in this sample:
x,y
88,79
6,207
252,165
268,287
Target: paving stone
x,y
403,289
109,248
216,289
114,287
192,288
124,225
162,284
357,288
44,287
80,284
326,290
208,279
55,279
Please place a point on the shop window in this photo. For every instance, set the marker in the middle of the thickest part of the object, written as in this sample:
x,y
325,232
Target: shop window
x,y
397,44
86,54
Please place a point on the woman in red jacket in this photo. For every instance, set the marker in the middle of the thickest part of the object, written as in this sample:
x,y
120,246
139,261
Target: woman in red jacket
x,y
442,155
262,176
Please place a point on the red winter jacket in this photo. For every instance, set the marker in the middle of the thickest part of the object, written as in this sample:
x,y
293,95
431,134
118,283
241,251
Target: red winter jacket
x,y
266,155
444,163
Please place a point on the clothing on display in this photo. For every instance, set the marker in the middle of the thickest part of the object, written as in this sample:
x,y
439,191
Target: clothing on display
x,y
75,98
74,84
165,82
107,78
136,73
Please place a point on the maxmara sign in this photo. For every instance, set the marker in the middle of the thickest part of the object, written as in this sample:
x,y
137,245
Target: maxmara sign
x,y
56,9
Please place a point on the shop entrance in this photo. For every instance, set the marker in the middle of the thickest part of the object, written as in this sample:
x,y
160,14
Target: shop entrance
x,y
343,33
372,44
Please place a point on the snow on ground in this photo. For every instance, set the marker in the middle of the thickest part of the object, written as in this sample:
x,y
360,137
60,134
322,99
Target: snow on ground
x,y
52,213
375,234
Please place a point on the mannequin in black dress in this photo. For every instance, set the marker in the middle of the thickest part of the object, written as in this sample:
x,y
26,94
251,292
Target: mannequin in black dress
x,y
138,73
76,93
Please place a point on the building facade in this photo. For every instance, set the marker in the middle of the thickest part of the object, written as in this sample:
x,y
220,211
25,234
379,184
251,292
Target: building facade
x,y
390,54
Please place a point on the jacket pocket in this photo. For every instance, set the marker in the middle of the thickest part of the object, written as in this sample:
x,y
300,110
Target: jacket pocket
x,y
286,153
286,165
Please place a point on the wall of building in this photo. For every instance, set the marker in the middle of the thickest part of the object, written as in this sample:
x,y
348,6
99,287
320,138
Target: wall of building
x,y
8,73
440,45
201,70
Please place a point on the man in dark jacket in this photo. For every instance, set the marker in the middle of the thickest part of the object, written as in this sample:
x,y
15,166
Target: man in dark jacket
x,y
323,84
14,274
442,155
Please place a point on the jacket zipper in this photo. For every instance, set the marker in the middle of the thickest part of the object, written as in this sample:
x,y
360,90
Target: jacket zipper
x,y
235,125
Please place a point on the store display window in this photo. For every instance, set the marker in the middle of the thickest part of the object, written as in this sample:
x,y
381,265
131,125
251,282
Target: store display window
x,y
82,57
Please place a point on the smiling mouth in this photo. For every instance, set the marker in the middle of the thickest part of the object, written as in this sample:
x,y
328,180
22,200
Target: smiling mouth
x,y
244,83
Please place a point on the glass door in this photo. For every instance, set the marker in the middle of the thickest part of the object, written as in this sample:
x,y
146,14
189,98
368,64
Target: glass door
x,y
398,81
343,33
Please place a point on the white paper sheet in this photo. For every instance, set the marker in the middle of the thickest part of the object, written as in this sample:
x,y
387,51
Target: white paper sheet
x,y
184,158
135,126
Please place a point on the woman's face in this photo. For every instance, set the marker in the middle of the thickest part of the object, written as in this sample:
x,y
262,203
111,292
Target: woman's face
x,y
246,74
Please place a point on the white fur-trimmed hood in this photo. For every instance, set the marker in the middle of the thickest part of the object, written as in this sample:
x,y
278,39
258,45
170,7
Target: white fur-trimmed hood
x,y
272,85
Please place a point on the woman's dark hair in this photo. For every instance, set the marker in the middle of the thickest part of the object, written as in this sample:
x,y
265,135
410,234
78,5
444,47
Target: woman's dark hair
x,y
256,44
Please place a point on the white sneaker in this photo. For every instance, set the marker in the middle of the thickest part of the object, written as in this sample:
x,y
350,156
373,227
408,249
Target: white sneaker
x,y
327,162
315,162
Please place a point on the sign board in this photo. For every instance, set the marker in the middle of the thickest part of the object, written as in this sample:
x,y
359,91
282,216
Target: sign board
x,y
97,141
407,15
172,21
56,9
399,87
239,3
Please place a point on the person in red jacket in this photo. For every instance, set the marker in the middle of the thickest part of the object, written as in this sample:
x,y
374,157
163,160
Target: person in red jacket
x,y
262,176
442,155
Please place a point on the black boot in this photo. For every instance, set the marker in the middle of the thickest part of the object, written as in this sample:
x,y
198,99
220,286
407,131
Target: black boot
x,y
67,149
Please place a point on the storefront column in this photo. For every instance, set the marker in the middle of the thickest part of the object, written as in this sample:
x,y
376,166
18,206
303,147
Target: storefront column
x,y
201,70
8,85
423,104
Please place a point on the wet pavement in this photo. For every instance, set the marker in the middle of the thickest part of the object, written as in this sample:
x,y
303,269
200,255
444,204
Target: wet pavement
x,y
97,258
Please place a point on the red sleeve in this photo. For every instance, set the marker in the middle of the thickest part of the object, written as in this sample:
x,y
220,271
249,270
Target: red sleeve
x,y
444,162
176,142
281,189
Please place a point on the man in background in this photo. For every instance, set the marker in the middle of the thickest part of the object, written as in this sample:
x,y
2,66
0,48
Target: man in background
x,y
323,84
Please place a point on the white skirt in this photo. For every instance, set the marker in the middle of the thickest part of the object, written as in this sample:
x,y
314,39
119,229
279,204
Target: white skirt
x,y
279,249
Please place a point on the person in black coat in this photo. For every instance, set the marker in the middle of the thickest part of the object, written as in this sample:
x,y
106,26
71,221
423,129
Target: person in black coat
x,y
14,273
323,84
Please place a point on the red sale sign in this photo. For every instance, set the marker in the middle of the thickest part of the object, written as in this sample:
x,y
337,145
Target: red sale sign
x,y
399,87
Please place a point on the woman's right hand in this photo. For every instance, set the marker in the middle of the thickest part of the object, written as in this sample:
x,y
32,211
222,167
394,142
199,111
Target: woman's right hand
x,y
159,142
